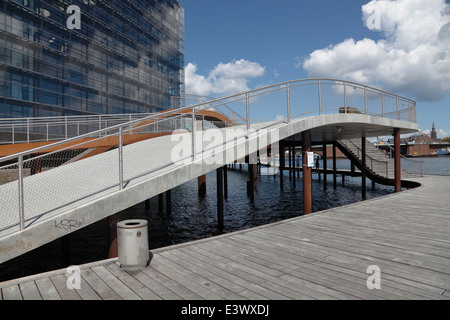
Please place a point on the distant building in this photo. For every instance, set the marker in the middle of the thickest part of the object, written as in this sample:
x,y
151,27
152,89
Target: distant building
x,y
82,57
434,133
420,138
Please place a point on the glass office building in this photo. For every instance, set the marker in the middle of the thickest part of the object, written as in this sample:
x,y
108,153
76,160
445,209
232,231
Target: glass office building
x,y
82,57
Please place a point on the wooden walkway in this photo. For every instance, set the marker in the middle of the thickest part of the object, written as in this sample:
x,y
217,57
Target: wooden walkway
x,y
321,256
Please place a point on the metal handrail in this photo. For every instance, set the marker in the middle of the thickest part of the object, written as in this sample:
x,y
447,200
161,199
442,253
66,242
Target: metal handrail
x,y
28,126
409,159
384,162
286,84
190,113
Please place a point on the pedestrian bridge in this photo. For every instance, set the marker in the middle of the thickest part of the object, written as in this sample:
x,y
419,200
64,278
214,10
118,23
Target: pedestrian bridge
x,y
64,186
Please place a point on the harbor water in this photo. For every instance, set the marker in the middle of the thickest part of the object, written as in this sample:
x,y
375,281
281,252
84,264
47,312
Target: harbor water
x,y
195,217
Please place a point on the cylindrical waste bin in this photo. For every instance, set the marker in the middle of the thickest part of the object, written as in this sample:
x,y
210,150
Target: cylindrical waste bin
x,y
132,243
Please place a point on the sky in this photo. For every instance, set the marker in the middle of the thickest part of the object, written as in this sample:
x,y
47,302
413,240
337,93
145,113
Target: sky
x,y
400,46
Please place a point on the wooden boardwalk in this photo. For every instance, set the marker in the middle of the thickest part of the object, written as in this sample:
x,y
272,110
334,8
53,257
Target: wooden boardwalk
x,y
321,256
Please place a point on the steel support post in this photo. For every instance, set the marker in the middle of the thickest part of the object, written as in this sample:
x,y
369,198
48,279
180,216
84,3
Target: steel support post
x,y
307,177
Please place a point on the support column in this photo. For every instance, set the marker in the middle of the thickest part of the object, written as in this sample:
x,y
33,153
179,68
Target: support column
x,y
363,181
225,181
282,165
202,185
290,163
255,177
169,201
161,203
398,168
334,167
251,182
219,174
307,178
325,166
294,169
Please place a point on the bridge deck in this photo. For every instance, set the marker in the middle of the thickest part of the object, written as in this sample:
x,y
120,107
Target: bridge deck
x,y
321,256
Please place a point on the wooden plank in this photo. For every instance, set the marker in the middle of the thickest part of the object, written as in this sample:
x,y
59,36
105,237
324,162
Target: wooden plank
x,y
392,271
86,292
203,277
254,288
388,283
115,284
132,283
255,280
97,284
179,275
12,293
47,289
170,284
161,291
307,266
30,291
60,283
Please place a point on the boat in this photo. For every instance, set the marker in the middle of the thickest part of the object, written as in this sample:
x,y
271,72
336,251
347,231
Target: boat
x,y
444,152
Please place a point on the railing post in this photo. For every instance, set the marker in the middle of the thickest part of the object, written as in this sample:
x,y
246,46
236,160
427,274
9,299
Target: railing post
x,y
120,158
65,127
365,101
345,98
21,201
397,161
320,97
247,98
409,111
194,151
387,169
100,124
28,130
382,104
13,140
288,91
398,111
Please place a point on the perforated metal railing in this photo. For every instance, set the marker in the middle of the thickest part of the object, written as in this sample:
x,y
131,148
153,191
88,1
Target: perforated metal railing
x,y
42,181
44,129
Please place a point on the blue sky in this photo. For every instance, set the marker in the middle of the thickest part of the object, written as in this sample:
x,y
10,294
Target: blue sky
x,y
275,41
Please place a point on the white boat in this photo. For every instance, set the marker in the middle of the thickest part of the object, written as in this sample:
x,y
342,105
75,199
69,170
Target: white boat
x,y
444,152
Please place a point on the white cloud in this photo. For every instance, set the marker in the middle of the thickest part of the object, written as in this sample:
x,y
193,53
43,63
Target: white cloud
x,y
224,79
443,134
413,56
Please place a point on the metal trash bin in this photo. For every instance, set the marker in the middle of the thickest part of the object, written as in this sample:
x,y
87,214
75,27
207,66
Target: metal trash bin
x,y
132,243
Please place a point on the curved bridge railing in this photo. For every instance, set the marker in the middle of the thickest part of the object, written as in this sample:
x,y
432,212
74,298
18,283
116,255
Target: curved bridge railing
x,y
259,108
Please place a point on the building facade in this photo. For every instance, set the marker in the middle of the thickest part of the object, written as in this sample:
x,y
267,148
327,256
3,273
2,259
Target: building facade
x,y
81,57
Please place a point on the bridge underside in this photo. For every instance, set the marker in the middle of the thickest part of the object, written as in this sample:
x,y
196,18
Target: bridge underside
x,y
157,175
331,128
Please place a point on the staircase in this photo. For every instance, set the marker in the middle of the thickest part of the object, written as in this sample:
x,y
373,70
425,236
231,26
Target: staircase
x,y
379,167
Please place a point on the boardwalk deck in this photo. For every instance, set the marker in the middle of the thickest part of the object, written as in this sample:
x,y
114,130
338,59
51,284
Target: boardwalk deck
x,y
321,256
